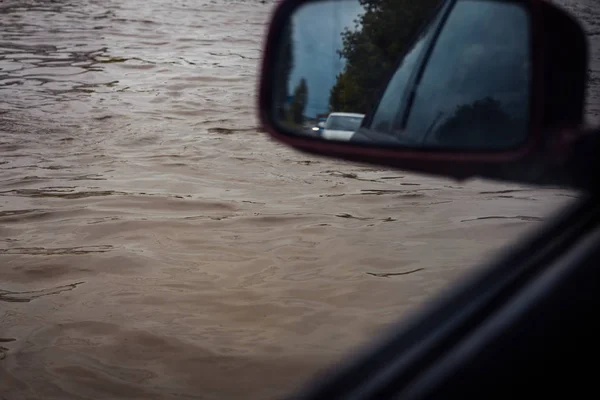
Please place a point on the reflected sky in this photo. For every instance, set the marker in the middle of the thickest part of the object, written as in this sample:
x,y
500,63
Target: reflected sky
x,y
317,29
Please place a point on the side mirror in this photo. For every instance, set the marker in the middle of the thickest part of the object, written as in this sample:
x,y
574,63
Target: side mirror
x,y
457,88
321,125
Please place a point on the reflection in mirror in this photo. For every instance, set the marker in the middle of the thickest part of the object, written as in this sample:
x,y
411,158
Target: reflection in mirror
x,y
427,74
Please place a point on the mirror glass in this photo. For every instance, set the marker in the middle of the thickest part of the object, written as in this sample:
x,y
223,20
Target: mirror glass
x,y
445,74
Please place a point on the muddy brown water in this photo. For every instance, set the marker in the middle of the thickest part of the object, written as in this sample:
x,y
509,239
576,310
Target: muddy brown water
x,y
154,245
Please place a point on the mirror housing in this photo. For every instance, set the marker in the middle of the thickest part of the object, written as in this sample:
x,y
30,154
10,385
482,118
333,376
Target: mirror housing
x,y
559,57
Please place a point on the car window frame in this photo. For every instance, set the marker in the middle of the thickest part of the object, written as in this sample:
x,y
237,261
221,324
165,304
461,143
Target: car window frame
x,y
508,343
416,343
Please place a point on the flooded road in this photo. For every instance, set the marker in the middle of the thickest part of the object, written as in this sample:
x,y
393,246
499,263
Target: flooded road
x,y
154,245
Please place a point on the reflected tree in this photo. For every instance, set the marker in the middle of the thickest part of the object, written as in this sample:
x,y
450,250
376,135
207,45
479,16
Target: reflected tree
x,y
299,102
373,48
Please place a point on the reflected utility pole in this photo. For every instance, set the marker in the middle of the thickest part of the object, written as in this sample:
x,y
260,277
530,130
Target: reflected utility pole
x,y
336,33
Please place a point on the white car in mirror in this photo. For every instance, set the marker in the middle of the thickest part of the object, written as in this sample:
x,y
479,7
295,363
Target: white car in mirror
x,y
341,126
